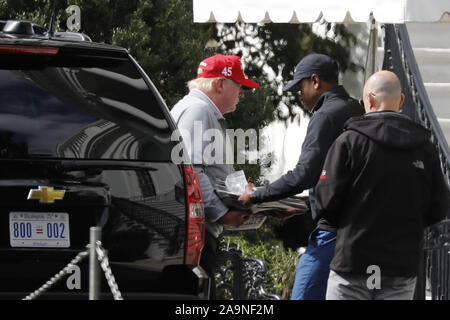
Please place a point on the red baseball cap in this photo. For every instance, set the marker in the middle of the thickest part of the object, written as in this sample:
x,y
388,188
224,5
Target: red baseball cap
x,y
226,66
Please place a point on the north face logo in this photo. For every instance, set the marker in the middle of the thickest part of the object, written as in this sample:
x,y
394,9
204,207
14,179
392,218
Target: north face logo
x,y
323,175
418,164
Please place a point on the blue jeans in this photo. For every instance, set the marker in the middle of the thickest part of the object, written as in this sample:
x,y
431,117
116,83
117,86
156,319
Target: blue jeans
x,y
313,267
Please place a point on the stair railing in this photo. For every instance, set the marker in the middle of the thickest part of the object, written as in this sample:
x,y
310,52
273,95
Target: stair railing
x,y
411,75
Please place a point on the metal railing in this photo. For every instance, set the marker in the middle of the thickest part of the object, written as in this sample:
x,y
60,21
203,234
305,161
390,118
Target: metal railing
x,y
437,261
399,58
433,280
241,278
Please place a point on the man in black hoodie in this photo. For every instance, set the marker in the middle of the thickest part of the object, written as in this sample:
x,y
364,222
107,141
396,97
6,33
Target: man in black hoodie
x,y
381,185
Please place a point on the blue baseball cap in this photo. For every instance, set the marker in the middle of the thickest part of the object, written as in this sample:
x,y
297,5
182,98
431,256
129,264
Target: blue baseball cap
x,y
314,63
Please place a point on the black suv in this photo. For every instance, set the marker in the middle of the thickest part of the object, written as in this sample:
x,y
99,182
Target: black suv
x,y
85,140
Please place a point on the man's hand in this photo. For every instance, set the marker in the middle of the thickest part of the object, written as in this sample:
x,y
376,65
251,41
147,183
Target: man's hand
x,y
245,197
235,218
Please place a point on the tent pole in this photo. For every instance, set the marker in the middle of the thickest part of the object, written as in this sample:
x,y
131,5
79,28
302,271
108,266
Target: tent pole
x,y
371,60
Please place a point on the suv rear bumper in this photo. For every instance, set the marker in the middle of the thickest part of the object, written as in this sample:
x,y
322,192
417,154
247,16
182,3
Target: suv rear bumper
x,y
179,282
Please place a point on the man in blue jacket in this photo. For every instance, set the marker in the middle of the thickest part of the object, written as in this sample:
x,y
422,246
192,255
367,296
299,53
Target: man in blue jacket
x,y
316,81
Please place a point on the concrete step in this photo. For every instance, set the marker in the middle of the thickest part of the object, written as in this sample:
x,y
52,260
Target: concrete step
x,y
433,64
445,126
439,95
429,35
431,46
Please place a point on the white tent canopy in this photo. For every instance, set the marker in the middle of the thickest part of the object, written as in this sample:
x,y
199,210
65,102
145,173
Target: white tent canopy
x,y
310,11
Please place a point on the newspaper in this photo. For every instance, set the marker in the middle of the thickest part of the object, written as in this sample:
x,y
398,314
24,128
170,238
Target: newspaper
x,y
235,184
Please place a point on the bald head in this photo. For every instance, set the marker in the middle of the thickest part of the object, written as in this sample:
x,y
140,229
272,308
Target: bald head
x,y
383,92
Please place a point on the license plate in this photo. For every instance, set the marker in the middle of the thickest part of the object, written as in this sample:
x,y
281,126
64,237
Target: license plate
x,y
39,229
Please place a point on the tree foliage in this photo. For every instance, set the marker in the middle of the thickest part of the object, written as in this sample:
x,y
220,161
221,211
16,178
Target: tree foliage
x,y
167,44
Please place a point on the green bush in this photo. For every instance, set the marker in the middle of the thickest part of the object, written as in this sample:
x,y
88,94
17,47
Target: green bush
x,y
281,263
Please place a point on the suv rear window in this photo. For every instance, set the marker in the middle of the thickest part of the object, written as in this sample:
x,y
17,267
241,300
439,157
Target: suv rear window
x,y
79,107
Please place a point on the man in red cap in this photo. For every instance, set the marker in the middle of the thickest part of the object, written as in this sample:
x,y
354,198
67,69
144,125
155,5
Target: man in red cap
x,y
199,117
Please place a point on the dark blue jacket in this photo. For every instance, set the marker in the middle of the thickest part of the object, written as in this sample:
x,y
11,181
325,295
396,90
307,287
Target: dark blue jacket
x,y
333,109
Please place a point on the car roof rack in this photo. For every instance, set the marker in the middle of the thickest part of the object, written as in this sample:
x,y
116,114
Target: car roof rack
x,y
27,29
71,36
22,28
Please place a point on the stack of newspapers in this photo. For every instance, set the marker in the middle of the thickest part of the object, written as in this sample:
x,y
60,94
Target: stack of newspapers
x,y
235,184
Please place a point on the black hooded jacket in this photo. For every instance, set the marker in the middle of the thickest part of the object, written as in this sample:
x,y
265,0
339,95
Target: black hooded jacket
x,y
381,185
332,110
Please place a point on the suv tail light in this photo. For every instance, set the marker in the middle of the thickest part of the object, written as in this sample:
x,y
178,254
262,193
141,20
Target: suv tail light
x,y
29,50
195,235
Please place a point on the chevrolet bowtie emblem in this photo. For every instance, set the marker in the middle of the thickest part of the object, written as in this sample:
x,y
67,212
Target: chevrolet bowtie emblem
x,y
45,195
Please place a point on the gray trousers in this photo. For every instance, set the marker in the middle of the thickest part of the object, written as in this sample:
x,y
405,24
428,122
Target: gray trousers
x,y
356,287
